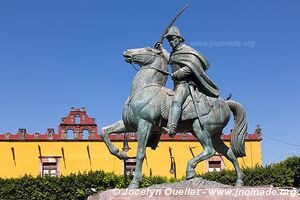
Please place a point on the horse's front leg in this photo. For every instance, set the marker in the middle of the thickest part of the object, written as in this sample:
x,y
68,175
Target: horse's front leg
x,y
144,129
118,127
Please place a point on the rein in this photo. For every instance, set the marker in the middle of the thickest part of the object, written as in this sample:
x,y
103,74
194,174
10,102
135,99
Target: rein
x,y
159,70
165,73
134,67
149,61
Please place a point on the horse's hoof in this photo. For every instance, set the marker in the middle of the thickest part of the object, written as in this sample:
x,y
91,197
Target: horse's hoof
x,y
239,183
122,155
133,185
190,174
169,132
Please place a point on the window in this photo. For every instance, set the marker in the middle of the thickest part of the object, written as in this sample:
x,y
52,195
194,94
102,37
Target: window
x,y
214,166
70,135
85,134
49,169
50,166
77,119
130,165
215,163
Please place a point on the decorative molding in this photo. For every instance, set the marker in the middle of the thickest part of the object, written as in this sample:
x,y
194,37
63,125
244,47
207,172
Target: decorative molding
x,y
88,123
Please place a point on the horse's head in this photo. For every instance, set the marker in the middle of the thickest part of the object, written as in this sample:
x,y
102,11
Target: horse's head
x,y
141,56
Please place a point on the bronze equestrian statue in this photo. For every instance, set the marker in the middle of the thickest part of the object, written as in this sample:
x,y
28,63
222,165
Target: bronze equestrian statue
x,y
203,113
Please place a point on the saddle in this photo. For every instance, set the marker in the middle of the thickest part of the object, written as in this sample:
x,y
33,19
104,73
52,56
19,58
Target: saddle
x,y
204,102
188,109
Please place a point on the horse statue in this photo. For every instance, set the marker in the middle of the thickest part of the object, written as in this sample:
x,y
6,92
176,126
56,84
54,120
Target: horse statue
x,y
146,112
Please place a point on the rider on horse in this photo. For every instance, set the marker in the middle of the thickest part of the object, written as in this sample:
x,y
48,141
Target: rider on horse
x,y
188,66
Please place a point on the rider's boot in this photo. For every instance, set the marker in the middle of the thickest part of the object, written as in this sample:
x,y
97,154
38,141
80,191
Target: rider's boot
x,y
174,116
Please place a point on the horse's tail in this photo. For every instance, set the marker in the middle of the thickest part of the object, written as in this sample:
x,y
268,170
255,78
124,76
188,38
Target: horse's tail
x,y
239,131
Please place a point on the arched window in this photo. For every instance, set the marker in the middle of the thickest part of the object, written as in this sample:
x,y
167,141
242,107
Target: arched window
x,y
77,119
70,135
85,134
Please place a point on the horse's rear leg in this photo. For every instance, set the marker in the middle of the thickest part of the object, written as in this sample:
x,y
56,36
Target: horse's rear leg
x,y
144,129
208,150
118,127
227,152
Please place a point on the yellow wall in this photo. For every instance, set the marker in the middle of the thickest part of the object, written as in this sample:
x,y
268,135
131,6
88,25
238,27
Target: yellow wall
x,y
159,159
76,157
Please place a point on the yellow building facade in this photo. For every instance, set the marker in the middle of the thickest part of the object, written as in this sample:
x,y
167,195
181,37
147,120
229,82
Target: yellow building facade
x,y
55,154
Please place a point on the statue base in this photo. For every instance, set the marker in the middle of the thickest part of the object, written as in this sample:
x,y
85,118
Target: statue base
x,y
199,188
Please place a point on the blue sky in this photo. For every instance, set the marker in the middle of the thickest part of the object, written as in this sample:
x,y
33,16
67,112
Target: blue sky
x,y
59,54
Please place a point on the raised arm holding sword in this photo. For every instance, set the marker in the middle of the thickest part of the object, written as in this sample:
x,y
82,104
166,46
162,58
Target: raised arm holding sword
x,y
188,73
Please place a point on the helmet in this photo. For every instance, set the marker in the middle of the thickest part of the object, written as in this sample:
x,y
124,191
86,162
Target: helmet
x,y
174,31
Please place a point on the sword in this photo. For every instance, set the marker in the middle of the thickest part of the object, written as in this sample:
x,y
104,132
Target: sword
x,y
193,94
171,23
